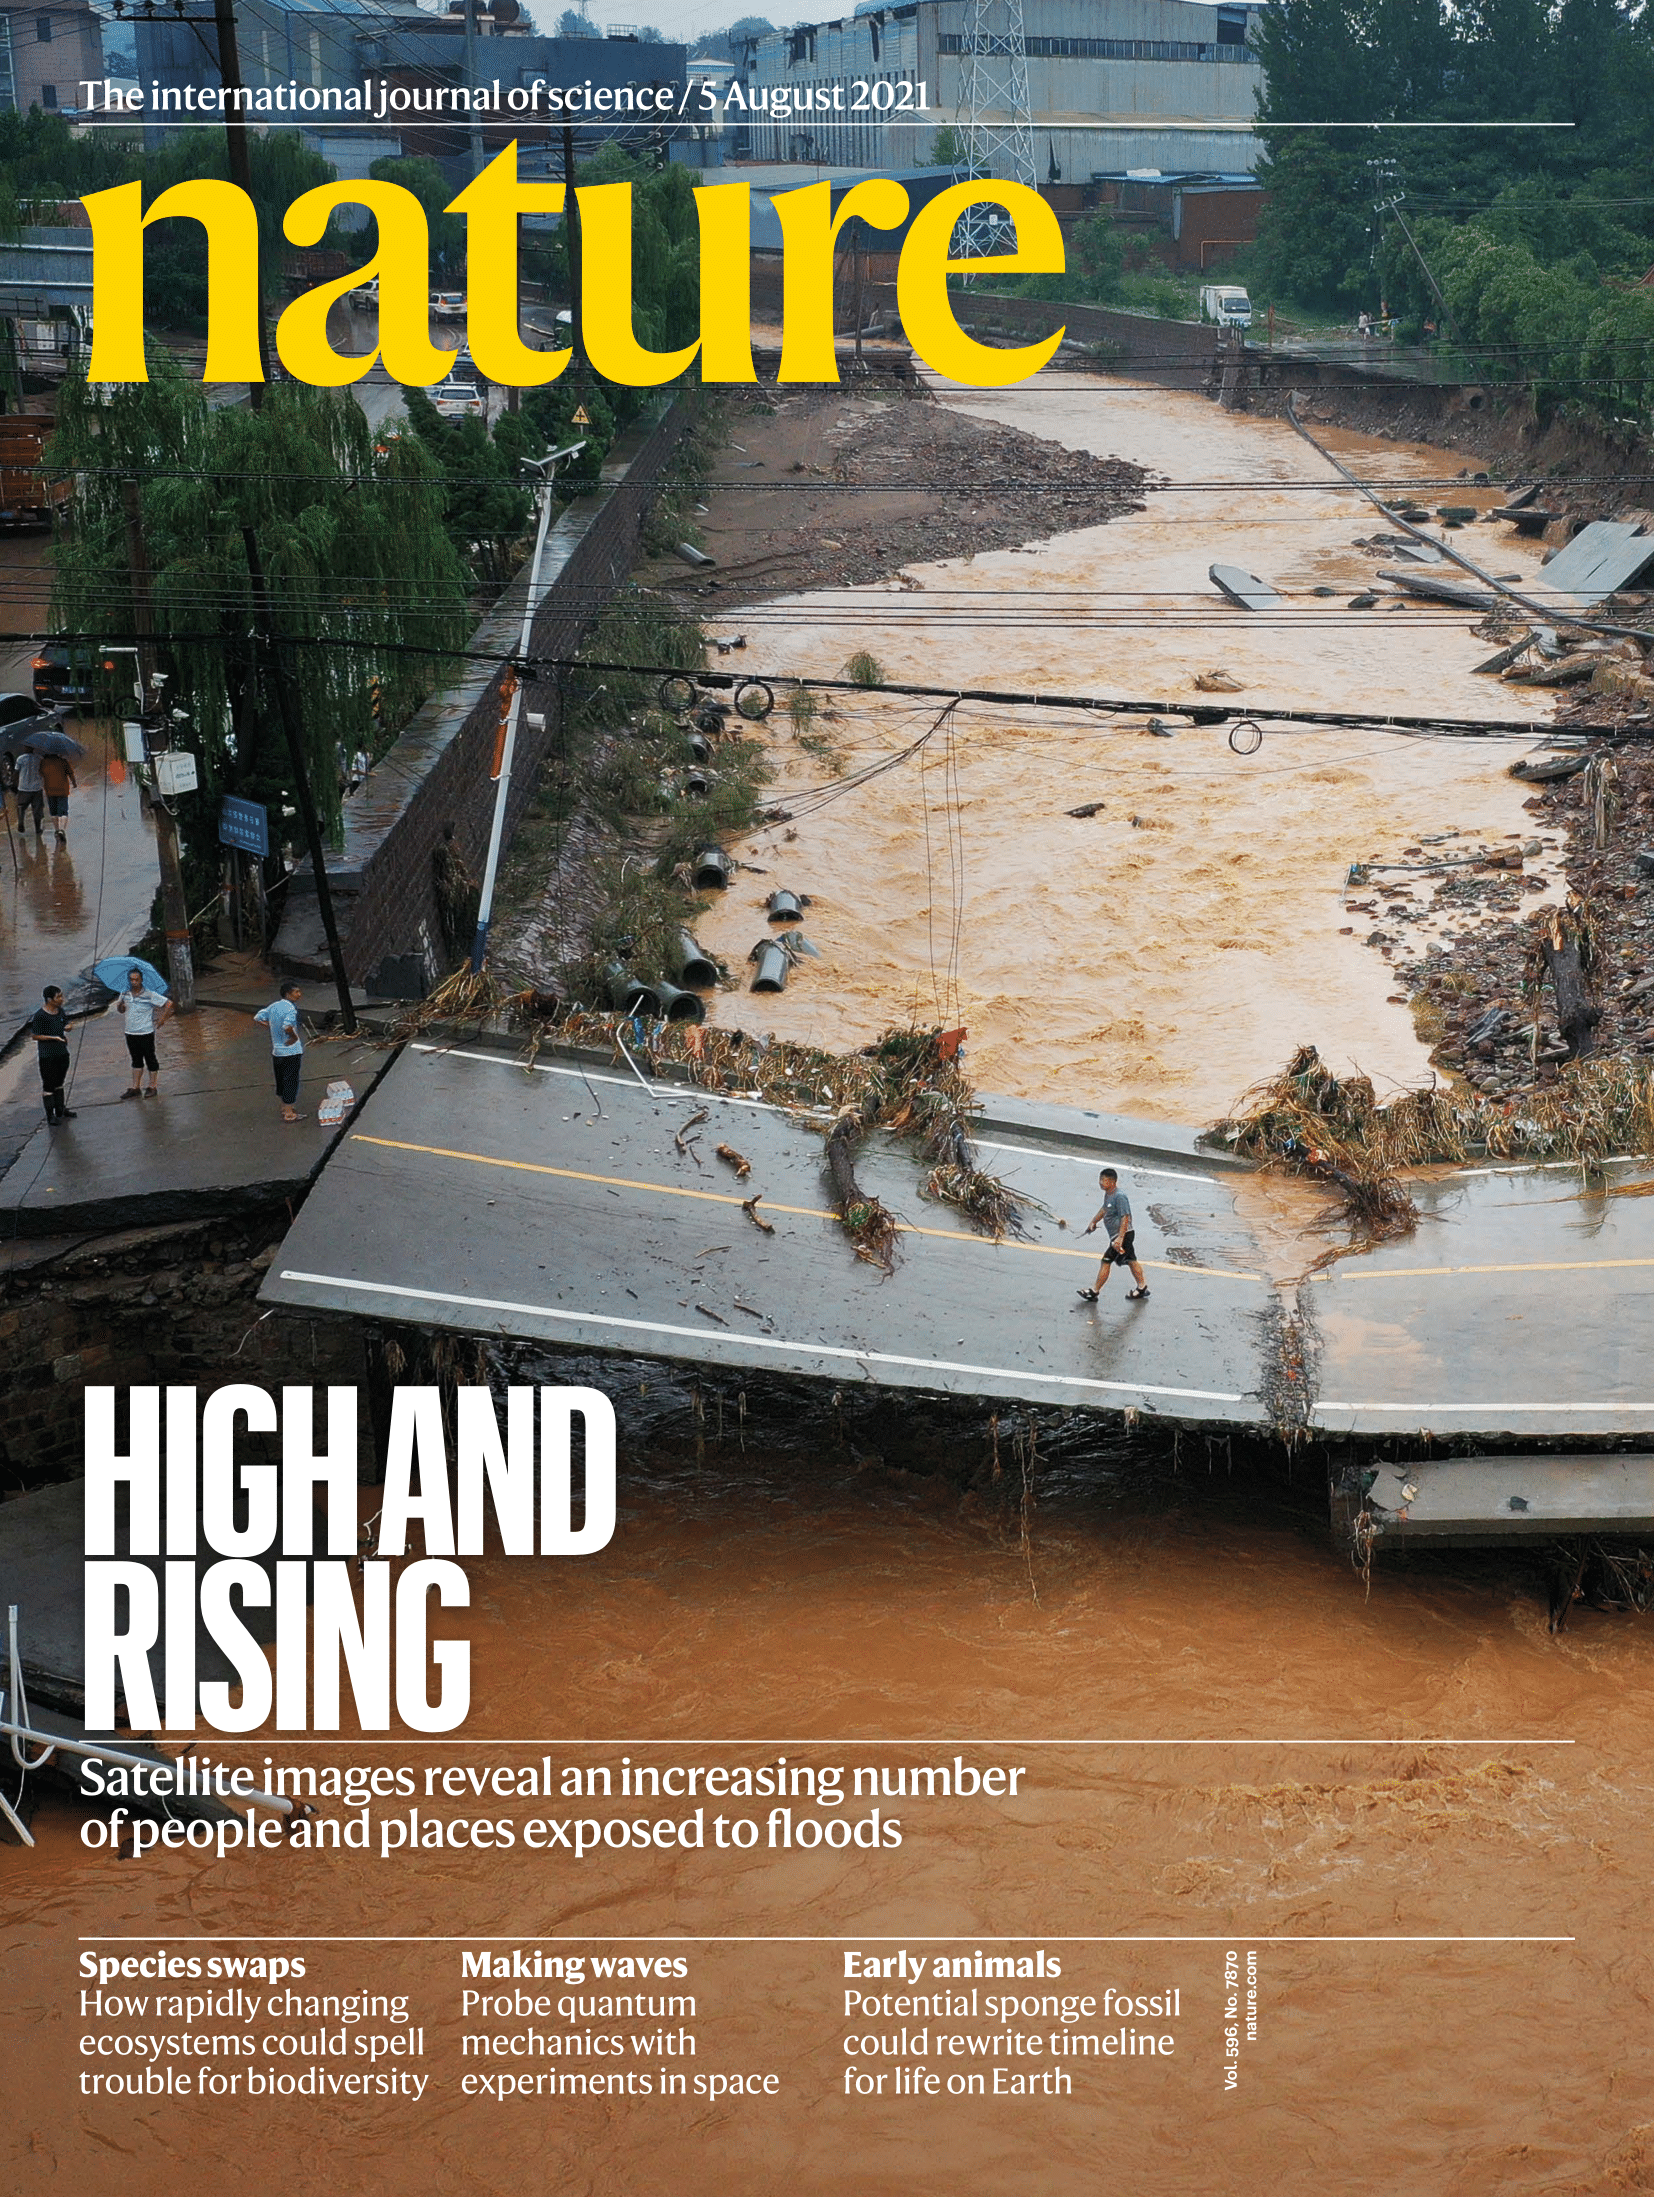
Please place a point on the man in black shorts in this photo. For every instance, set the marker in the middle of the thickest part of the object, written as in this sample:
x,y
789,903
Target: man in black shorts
x,y
48,1027
1115,1214
145,1011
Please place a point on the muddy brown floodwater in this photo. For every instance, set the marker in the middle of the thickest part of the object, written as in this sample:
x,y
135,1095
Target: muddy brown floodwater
x,y
1157,957
800,1594
1426,1815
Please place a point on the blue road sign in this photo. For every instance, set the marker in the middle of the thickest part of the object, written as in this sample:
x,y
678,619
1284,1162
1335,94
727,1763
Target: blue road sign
x,y
244,824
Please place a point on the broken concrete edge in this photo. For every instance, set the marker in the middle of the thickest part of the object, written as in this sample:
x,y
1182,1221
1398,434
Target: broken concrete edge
x,y
1080,1128
1122,1136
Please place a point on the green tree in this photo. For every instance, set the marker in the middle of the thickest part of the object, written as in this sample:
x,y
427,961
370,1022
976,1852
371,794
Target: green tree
x,y
350,529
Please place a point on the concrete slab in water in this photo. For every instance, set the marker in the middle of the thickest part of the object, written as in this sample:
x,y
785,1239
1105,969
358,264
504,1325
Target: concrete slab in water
x,y
554,1204
1479,1499
1602,557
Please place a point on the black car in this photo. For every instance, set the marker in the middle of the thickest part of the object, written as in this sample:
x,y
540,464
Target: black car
x,y
80,678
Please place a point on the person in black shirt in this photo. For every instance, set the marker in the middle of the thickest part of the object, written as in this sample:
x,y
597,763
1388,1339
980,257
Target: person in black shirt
x,y
52,1051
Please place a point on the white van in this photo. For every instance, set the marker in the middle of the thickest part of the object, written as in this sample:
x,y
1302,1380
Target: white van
x,y
1227,304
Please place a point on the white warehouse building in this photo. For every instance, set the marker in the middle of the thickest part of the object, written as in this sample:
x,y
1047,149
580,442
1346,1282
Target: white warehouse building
x,y
1113,85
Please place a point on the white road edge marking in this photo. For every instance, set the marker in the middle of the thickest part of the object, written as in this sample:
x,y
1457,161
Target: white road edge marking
x,y
754,1342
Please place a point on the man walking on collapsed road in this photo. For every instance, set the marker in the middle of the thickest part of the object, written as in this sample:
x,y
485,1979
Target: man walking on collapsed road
x,y
139,1004
1115,1214
281,1019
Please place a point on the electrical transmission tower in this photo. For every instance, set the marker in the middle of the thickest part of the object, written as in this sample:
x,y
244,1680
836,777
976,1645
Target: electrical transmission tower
x,y
995,119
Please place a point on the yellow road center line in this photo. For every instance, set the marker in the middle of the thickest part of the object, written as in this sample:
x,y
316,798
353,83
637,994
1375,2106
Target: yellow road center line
x,y
1536,1266
803,1212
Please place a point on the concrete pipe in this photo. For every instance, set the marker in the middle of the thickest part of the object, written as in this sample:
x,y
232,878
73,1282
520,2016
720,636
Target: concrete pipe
x,y
712,870
700,748
698,783
695,968
784,907
770,975
678,1005
628,994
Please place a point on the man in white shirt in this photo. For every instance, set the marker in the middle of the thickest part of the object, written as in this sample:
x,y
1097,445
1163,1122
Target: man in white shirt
x,y
145,1011
31,794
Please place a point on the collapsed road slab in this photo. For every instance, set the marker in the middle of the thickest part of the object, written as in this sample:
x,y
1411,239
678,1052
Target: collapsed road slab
x,y
1522,1306
578,1208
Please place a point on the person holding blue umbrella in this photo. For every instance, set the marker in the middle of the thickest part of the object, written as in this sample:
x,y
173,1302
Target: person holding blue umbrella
x,y
145,1011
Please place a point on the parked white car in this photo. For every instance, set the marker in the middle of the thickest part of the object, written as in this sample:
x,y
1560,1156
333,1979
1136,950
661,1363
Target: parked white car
x,y
458,400
447,304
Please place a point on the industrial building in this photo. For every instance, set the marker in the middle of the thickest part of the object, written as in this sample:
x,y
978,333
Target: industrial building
x,y
1114,85
47,51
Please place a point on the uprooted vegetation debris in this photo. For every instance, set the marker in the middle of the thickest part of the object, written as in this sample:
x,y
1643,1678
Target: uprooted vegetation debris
x,y
1308,1121
908,1083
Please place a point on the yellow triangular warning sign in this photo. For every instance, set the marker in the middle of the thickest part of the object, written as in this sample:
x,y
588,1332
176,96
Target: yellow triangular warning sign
x,y
582,418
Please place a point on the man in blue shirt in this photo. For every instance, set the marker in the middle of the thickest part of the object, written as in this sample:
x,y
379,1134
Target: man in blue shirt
x,y
281,1019
1115,1215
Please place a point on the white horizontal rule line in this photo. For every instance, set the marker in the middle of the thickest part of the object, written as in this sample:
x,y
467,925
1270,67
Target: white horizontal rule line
x,y
754,1342
1325,1404
312,1739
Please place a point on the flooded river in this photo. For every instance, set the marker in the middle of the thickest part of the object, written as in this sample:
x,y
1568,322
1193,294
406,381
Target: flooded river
x,y
1156,957
1426,1816
811,1597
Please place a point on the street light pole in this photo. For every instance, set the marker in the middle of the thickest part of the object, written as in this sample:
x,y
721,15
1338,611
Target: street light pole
x,y
174,905
546,467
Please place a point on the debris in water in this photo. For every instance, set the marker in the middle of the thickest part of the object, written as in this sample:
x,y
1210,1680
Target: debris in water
x,y
1244,589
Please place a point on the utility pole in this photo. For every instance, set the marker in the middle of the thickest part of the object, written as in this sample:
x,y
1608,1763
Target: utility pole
x,y
571,229
278,676
546,467
470,83
241,166
174,906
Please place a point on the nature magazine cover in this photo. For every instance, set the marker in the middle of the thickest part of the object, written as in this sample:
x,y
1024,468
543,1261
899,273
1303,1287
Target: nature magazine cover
x,y
826,1097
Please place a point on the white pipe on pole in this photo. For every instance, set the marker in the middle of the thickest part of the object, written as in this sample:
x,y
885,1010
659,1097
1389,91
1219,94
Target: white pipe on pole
x,y
124,1761
502,787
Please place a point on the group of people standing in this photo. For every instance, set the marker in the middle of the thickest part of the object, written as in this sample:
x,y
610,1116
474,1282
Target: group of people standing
x,y
145,1012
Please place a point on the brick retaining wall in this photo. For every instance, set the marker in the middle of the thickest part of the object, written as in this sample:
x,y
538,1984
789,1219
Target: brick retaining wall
x,y
437,775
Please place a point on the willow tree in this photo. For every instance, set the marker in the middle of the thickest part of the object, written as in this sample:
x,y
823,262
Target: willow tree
x,y
365,587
